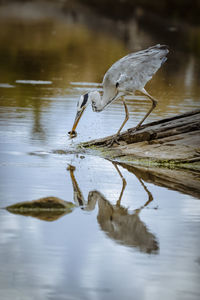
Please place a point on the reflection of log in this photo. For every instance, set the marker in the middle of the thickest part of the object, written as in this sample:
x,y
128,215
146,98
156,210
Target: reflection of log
x,y
187,182
171,140
47,209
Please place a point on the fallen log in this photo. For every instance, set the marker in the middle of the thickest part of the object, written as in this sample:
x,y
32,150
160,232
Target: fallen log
x,y
170,141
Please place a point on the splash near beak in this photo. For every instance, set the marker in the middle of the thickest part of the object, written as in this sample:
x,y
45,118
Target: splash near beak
x,y
73,133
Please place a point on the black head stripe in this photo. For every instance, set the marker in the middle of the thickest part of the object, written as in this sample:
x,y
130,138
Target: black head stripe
x,y
85,99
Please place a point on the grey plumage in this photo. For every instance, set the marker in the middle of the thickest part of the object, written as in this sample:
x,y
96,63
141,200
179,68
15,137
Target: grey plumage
x,y
132,72
125,76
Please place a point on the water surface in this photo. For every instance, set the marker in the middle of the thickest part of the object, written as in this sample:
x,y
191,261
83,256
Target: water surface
x,y
146,244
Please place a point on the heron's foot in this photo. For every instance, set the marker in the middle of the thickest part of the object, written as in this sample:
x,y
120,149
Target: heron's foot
x,y
113,140
134,129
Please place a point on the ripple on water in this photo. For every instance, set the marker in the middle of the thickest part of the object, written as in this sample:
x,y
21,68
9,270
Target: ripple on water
x,y
6,85
33,81
86,83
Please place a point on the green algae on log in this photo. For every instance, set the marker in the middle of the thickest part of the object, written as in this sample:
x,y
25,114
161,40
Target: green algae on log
x,y
171,142
47,209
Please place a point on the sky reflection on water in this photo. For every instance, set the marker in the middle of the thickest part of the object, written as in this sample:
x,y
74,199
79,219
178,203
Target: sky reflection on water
x,y
76,256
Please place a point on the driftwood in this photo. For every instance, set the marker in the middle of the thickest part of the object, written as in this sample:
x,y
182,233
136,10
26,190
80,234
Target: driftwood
x,y
174,140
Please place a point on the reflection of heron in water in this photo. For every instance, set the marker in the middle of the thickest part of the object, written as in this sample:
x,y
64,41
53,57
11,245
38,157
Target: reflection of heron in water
x,y
118,223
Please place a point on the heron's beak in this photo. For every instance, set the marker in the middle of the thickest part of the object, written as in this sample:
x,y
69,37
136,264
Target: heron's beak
x,y
77,119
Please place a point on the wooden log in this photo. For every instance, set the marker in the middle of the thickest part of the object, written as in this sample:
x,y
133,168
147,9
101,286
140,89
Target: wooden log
x,y
175,139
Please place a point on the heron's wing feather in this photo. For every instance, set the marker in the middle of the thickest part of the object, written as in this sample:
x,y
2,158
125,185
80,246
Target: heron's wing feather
x,y
133,71
137,75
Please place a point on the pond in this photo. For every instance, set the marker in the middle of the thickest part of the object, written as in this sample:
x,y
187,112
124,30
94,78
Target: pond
x,y
124,238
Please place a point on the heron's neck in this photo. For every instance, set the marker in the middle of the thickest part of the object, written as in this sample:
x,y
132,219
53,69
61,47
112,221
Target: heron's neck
x,y
96,101
100,102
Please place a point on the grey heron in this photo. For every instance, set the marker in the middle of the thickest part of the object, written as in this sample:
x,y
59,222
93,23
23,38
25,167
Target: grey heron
x,y
125,76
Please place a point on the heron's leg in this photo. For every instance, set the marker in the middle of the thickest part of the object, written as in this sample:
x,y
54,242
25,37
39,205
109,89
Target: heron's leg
x,y
126,117
154,103
115,138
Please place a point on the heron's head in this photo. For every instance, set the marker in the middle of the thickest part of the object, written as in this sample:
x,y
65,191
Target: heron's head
x,y
91,97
